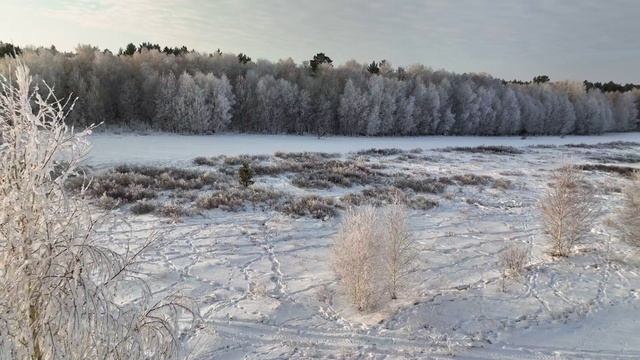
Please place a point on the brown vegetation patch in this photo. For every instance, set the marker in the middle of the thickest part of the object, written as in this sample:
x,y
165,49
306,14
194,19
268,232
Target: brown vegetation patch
x,y
613,169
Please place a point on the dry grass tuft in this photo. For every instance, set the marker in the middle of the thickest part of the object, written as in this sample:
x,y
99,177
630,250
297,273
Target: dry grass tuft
x,y
514,260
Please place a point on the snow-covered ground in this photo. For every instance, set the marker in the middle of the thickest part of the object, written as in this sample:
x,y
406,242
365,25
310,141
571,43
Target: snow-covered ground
x,y
267,291
112,148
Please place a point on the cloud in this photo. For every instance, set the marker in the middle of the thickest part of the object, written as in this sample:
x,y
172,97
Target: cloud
x,y
509,38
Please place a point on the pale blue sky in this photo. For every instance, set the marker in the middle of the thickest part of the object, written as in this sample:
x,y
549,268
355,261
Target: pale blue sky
x,y
567,39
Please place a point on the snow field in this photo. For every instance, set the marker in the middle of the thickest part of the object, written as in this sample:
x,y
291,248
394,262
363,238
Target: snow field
x,y
267,291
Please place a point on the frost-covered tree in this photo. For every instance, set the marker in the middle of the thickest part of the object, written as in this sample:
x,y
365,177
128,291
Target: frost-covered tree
x,y
389,107
427,108
270,112
164,114
219,99
487,111
508,118
406,111
568,210
624,111
398,250
63,294
129,102
131,91
353,110
376,95
223,101
190,106
531,113
447,118
355,256
246,117
466,108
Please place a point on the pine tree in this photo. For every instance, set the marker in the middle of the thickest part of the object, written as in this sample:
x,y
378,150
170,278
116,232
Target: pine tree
x,y
373,68
245,175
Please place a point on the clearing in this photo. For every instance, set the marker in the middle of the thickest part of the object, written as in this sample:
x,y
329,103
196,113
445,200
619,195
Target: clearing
x,y
259,264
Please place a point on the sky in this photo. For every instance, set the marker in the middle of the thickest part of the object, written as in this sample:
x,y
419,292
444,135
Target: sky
x,y
597,40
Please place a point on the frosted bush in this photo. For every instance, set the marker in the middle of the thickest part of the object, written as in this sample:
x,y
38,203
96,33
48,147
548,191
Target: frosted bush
x,y
355,253
398,251
568,210
514,260
374,254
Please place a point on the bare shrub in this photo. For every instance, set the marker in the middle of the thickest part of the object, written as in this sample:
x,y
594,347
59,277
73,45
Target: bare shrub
x,y
398,250
621,158
312,181
281,167
423,185
258,290
313,206
107,202
377,196
568,210
226,200
502,184
629,216
143,207
236,199
613,169
409,157
514,260
237,160
380,152
607,145
127,184
205,161
61,292
355,255
473,179
172,211
422,203
492,149
306,156
334,172
384,195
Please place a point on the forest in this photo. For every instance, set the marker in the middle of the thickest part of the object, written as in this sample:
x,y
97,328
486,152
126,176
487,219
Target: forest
x,y
147,87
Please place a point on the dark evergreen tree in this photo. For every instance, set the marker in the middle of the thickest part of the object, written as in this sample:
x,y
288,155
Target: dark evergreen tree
x,y
373,68
148,46
245,175
541,79
129,50
8,49
319,59
243,58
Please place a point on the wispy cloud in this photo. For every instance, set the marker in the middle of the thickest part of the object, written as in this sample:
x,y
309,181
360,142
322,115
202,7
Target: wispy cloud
x,y
510,38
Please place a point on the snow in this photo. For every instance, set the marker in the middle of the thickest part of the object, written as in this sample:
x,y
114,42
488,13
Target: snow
x,y
267,291
155,148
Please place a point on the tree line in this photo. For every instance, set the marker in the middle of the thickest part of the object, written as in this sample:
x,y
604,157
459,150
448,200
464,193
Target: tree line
x,y
181,90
